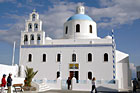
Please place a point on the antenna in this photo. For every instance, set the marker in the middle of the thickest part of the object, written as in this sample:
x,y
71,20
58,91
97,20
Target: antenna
x,y
13,53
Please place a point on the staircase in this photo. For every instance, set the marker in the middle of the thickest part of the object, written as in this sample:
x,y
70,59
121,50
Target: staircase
x,y
40,86
43,87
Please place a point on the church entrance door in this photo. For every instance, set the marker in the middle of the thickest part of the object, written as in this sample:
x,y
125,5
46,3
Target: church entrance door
x,y
71,74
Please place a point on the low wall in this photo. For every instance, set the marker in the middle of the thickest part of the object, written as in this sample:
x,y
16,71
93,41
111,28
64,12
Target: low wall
x,y
82,85
85,85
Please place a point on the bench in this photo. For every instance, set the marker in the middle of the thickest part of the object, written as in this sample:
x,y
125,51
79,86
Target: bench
x,y
18,87
4,89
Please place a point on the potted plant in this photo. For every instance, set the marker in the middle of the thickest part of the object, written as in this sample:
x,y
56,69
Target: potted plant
x,y
28,79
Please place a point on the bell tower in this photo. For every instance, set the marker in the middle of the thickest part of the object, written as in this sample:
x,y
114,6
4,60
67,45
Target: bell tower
x,y
33,34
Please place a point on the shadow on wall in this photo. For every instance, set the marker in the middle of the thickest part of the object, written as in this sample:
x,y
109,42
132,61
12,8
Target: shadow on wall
x,y
105,89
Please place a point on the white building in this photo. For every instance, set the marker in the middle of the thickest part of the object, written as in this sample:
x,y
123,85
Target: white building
x,y
80,53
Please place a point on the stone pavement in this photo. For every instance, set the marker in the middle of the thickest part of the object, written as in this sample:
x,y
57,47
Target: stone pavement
x,y
64,91
60,91
70,91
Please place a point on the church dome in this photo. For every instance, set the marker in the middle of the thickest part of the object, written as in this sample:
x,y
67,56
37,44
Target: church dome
x,y
108,37
48,38
80,17
80,26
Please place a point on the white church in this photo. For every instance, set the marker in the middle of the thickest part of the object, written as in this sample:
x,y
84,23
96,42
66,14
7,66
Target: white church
x,y
80,54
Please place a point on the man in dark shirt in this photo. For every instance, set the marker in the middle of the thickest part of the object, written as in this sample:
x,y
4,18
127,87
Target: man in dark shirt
x,y
9,82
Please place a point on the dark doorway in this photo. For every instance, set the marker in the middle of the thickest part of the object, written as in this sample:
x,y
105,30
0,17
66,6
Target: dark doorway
x,y
76,75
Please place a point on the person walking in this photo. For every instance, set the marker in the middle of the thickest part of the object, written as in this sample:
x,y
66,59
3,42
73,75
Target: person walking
x,y
93,85
3,81
135,84
69,82
9,83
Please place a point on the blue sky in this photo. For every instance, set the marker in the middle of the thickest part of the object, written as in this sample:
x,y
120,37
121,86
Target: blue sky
x,y
121,15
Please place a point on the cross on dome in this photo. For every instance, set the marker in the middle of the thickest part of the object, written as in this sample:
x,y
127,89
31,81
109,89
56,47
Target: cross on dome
x,y
80,10
34,10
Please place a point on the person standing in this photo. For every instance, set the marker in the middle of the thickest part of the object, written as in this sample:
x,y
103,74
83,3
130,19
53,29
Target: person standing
x,y
9,83
3,81
69,82
93,85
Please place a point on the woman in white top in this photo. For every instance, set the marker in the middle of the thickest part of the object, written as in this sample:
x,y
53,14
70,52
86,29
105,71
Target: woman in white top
x,y
93,85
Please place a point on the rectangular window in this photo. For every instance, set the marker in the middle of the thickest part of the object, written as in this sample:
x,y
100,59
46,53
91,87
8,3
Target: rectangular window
x,y
73,66
73,57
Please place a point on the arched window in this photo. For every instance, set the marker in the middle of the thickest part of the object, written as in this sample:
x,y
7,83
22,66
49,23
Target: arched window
x,y
73,57
30,26
66,30
38,37
33,17
58,57
90,28
77,28
30,57
44,57
32,37
25,38
58,74
35,27
90,75
105,57
89,57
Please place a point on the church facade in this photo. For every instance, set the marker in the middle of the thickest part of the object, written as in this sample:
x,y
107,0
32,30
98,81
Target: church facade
x,y
80,53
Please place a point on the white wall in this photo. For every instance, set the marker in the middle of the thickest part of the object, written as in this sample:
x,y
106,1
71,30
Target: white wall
x,y
6,69
99,68
123,70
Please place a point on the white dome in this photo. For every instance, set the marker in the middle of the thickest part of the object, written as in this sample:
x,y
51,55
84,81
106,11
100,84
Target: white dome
x,y
108,37
80,26
48,38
